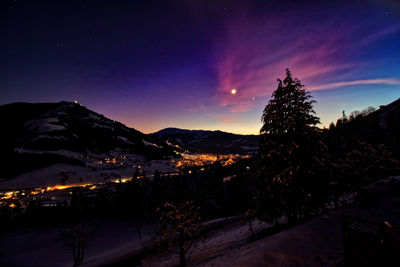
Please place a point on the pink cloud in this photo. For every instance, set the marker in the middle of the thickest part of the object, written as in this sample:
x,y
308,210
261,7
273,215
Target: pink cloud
x,y
388,81
254,53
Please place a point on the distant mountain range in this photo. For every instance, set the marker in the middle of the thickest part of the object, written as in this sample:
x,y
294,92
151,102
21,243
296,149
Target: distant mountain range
x,y
200,141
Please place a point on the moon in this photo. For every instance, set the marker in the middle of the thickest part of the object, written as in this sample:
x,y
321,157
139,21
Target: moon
x,y
233,91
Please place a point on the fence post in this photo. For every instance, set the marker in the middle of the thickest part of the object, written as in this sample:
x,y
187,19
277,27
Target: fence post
x,y
344,238
385,238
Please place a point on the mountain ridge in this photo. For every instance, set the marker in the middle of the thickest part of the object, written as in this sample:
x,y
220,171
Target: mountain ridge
x,y
171,130
36,132
207,141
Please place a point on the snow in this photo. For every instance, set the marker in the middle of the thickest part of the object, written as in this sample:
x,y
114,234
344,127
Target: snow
x,y
149,144
125,140
97,125
92,172
247,148
114,239
44,177
315,243
26,150
43,247
44,125
65,153
92,116
162,166
45,136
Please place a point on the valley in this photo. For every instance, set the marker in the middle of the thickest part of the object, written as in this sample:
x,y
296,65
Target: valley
x,y
100,173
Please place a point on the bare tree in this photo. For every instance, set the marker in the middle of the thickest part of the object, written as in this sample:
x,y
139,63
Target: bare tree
x,y
179,227
77,237
250,216
138,227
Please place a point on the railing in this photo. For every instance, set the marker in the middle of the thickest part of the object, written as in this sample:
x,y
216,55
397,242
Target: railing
x,y
368,243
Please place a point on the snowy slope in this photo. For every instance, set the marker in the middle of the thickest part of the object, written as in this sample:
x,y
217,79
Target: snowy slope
x,y
36,136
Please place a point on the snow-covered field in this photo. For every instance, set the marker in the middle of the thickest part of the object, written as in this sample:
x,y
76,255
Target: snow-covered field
x,y
98,168
216,242
315,243
43,246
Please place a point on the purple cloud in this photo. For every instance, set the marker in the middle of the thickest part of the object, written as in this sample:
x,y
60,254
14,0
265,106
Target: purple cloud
x,y
387,81
253,53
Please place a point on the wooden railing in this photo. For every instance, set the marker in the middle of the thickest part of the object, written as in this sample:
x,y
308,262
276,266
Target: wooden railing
x,y
368,243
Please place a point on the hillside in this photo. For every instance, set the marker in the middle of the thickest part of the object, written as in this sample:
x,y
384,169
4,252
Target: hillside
x,y
381,126
215,142
38,135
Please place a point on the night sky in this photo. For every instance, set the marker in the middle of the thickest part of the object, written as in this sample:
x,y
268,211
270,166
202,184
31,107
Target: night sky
x,y
157,64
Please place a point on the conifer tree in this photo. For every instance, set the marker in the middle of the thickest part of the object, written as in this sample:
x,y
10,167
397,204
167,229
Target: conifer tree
x,y
289,113
291,152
